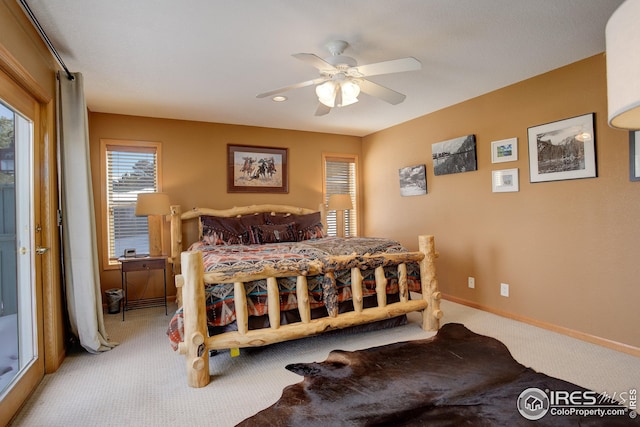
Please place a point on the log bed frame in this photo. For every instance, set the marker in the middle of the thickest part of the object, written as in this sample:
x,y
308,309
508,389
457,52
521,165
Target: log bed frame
x,y
190,276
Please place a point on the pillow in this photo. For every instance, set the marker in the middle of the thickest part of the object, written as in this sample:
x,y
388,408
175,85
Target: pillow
x,y
228,231
273,233
308,226
278,218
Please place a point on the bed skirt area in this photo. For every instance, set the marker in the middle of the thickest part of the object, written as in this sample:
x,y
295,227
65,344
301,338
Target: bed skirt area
x,y
175,331
220,300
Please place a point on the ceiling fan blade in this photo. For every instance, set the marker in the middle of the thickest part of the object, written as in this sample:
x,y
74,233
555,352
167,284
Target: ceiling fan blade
x,y
386,94
294,86
315,61
394,66
322,109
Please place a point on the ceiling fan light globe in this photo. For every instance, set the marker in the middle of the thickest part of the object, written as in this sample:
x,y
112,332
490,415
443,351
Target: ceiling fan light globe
x,y
326,89
326,93
350,89
349,93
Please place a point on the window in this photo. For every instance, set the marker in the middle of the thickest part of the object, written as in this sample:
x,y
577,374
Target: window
x,y
340,177
130,167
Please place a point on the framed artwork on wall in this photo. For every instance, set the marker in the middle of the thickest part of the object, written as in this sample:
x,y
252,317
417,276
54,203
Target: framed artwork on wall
x,y
413,180
454,156
563,150
505,150
252,169
634,155
505,181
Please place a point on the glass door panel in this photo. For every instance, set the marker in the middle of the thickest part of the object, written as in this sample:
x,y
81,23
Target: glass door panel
x,y
17,292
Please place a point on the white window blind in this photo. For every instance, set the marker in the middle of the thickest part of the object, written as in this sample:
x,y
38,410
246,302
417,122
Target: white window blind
x,y
130,170
340,178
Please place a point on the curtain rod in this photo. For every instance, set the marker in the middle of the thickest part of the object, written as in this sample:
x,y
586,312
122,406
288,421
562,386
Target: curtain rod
x,y
40,30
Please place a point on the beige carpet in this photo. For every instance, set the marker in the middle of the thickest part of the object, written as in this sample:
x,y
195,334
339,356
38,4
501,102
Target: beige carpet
x,y
142,381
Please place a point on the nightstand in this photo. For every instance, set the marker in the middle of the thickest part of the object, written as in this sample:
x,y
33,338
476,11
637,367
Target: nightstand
x,y
128,265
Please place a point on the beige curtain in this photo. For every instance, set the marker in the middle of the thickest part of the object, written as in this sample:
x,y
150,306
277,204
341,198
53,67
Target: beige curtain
x,y
79,244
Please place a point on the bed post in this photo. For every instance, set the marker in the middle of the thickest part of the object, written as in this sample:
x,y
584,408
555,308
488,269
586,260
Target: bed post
x,y
176,236
432,314
195,321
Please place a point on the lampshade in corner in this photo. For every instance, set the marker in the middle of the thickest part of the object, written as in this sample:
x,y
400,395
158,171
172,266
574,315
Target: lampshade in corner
x,y
339,202
153,204
623,66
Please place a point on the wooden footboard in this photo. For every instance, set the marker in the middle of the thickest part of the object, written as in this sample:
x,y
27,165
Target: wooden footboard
x,y
197,342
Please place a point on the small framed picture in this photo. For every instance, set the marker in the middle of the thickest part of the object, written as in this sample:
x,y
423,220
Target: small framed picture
x,y
413,180
505,181
634,155
505,150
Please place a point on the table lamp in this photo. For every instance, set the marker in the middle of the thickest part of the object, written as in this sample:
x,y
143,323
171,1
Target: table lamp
x,y
154,206
340,203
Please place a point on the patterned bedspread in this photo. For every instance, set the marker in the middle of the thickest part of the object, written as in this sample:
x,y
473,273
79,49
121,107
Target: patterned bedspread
x,y
293,256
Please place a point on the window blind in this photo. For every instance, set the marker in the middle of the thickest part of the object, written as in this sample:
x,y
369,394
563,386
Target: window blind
x,y
340,178
130,170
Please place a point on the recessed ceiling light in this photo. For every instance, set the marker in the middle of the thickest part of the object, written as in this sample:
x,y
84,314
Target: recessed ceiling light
x,y
279,98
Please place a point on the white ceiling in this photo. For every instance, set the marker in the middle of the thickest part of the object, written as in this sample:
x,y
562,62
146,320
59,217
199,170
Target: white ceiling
x,y
206,60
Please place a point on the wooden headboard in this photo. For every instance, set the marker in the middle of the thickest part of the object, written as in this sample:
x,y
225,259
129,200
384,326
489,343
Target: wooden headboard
x,y
178,217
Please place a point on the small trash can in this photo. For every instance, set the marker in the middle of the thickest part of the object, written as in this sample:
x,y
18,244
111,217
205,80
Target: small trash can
x,y
114,296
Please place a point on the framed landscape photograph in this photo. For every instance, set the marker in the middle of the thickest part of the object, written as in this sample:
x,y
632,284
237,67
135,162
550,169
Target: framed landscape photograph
x,y
252,169
413,180
563,150
505,181
634,155
455,155
505,150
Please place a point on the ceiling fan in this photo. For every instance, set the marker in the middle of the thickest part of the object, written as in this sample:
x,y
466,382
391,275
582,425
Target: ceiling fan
x,y
342,79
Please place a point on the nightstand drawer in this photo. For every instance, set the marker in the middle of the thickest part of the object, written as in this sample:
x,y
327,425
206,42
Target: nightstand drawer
x,y
143,264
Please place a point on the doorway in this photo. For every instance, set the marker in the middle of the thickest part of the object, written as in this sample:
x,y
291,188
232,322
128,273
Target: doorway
x,y
21,353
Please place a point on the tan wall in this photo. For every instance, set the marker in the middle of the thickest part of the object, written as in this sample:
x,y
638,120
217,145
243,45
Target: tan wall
x,y
194,159
568,249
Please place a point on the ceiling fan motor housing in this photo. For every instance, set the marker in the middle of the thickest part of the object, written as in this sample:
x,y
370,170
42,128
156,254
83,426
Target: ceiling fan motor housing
x,y
341,62
337,59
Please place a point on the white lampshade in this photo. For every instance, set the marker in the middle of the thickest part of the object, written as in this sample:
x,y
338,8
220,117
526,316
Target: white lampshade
x,y
340,202
623,66
153,204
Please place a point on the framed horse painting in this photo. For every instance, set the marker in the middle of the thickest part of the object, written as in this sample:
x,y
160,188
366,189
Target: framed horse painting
x,y
253,169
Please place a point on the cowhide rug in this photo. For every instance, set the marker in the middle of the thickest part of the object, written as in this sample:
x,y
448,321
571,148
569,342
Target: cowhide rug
x,y
455,378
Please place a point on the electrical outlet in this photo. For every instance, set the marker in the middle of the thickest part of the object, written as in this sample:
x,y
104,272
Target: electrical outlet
x,y
472,282
504,289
